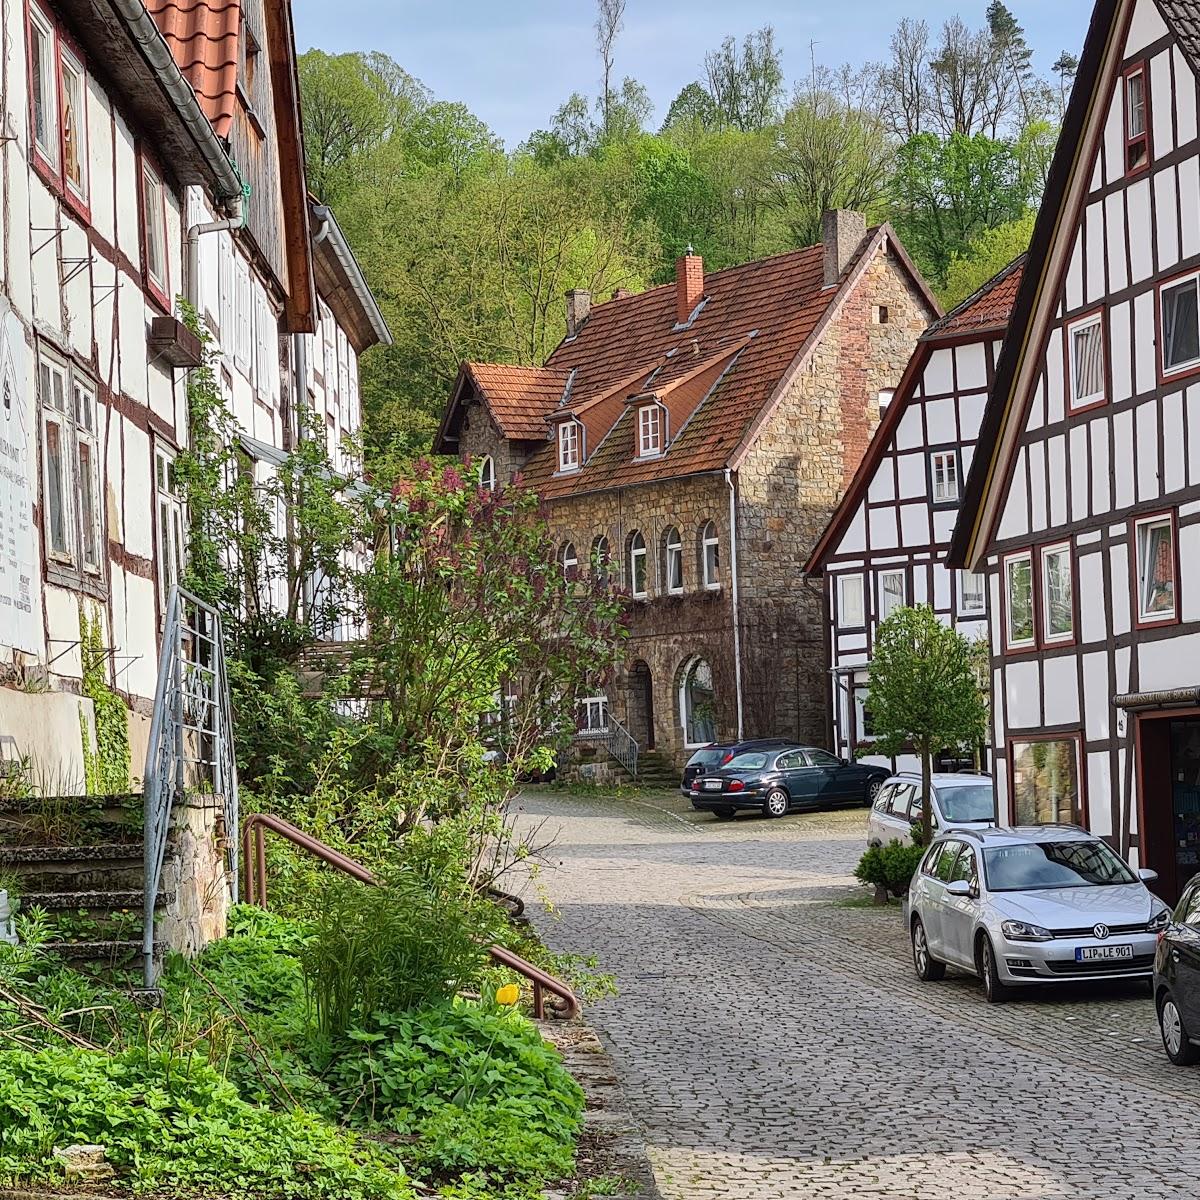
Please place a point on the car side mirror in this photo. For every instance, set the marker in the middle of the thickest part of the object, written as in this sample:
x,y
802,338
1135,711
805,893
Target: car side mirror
x,y
960,887
1146,875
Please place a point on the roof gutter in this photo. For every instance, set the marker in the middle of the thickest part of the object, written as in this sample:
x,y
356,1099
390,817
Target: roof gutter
x,y
149,39
331,231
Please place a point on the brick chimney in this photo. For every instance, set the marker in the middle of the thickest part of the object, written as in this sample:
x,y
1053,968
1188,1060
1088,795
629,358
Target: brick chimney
x,y
843,231
579,305
689,285
622,293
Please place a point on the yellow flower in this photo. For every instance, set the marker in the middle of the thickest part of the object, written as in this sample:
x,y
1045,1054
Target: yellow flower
x,y
508,994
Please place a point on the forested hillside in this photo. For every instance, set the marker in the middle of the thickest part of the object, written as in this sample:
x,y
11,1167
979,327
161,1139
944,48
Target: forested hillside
x,y
470,245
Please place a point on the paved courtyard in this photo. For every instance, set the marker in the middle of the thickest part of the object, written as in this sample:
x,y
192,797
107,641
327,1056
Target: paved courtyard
x,y
775,1043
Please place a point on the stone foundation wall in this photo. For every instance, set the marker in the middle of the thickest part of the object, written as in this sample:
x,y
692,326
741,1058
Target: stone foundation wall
x,y
195,873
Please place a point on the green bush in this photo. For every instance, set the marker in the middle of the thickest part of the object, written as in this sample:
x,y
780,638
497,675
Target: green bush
x,y
478,1088
178,1127
891,867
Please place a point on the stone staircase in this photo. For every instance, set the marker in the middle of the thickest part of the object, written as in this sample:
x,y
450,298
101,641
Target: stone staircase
x,y
655,771
79,858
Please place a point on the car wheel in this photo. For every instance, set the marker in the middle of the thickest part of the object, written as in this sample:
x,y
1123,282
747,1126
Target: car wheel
x,y
994,991
928,969
726,814
1180,1050
872,791
776,804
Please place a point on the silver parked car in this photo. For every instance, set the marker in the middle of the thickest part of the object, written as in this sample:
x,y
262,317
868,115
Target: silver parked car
x,y
958,800
1041,904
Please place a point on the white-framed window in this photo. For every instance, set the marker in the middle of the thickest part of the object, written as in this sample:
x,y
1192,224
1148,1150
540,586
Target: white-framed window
x,y
154,232
72,467
1157,597
243,316
169,513
972,594
593,715
1180,318
885,398
710,556
73,97
1020,629
649,430
1058,593
487,473
568,446
943,472
851,606
673,561
226,303
892,589
43,87
637,565
1085,361
601,559
570,560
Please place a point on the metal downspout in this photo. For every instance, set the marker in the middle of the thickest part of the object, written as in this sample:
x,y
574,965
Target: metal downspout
x,y
737,620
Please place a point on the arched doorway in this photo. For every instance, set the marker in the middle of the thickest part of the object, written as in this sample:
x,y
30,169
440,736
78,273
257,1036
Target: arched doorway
x,y
697,703
641,705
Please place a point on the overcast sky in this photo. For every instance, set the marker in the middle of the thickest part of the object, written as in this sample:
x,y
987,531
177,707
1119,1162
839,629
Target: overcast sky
x,y
514,63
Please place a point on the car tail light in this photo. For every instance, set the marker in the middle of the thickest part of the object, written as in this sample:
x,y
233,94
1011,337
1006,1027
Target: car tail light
x,y
737,786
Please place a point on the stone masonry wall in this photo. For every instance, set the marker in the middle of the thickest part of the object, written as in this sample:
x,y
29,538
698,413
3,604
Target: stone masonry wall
x,y
795,475
479,436
195,874
667,632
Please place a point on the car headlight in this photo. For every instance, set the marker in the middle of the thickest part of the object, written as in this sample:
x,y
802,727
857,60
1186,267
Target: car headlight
x,y
1022,931
1159,921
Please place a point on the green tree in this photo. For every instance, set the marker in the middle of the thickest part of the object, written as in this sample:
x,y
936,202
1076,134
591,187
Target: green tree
x,y
986,257
924,692
746,85
692,111
947,193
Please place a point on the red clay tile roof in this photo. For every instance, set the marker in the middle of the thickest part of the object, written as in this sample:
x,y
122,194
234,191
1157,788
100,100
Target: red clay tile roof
x,y
780,300
988,308
718,377
203,36
519,398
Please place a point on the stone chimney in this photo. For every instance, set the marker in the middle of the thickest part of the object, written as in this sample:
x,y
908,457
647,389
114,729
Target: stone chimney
x,y
579,305
843,232
622,293
689,285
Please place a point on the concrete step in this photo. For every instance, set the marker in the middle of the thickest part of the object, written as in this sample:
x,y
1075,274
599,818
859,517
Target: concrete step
x,y
102,953
96,903
94,868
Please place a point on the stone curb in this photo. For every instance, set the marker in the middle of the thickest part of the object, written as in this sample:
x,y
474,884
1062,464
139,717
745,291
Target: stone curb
x,y
611,1142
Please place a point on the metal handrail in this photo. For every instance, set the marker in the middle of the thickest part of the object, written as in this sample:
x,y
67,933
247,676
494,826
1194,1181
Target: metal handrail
x,y
620,744
254,876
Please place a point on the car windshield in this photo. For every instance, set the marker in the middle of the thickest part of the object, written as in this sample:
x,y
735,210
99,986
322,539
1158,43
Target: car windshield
x,y
751,760
967,802
706,758
1035,866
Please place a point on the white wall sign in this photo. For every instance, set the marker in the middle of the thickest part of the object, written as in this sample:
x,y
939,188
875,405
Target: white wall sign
x,y
19,608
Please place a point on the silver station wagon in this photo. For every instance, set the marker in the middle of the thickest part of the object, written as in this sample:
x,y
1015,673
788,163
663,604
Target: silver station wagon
x,y
1040,904
958,800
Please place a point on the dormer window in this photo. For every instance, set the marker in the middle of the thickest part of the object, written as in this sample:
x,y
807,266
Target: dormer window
x,y
568,446
650,430
1137,120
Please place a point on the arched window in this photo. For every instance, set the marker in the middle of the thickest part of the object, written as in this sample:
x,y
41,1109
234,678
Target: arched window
x,y
710,556
637,564
487,473
601,559
673,561
697,703
570,561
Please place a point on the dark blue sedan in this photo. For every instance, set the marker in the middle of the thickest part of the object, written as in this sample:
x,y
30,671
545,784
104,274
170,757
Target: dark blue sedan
x,y
777,781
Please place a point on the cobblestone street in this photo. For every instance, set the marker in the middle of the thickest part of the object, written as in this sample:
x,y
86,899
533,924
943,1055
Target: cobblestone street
x,y
775,1042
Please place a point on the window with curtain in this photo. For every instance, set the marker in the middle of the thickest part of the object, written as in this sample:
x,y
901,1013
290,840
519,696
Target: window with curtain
x,y
1087,362
1156,569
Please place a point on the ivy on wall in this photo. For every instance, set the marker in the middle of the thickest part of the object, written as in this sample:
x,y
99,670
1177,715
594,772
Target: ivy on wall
x,y
106,769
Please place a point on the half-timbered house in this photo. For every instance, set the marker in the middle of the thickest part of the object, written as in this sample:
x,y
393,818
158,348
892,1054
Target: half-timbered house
x,y
1083,503
691,441
884,547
